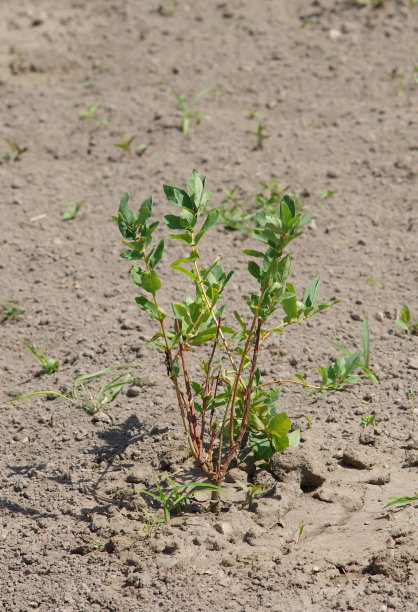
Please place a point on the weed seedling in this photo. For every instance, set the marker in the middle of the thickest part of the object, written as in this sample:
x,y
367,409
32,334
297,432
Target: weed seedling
x,y
363,365
325,195
401,501
251,492
189,111
412,392
260,136
229,397
89,113
251,113
177,494
97,544
15,152
125,144
11,310
151,524
73,211
302,526
141,149
50,365
374,283
366,421
405,322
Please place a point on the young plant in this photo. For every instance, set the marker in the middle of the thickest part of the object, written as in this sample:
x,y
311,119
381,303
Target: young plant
x,y
73,211
167,10
90,112
401,501
15,152
405,322
50,365
189,112
11,310
141,149
177,495
366,421
260,136
325,195
251,492
364,365
125,144
230,398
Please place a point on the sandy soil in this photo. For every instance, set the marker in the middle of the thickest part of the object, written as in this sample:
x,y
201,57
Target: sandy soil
x,y
335,88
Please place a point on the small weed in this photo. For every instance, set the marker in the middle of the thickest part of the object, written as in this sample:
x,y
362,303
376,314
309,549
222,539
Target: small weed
x,y
151,524
325,195
73,211
366,421
125,144
189,111
141,149
260,136
167,10
89,113
88,84
251,113
363,365
374,283
251,492
302,526
11,310
177,494
50,365
15,152
401,501
97,544
404,321
412,392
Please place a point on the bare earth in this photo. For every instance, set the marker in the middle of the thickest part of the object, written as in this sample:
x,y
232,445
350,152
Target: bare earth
x,y
335,87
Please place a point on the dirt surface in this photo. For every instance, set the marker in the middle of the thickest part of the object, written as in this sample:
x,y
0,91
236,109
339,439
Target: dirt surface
x,y
334,87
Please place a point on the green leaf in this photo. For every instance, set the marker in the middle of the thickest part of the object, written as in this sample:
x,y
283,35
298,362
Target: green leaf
x,y
285,214
173,222
188,218
254,270
311,293
177,197
283,269
145,304
211,220
182,237
279,425
294,438
255,423
124,209
150,281
195,187
289,304
131,254
184,271
252,253
260,445
290,203
323,374
280,443
240,321
405,314
158,253
352,362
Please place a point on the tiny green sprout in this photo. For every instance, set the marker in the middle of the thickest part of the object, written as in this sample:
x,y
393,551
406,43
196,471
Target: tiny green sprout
x,y
88,84
97,544
50,365
366,421
260,136
254,559
412,392
308,421
141,149
302,526
374,283
404,321
95,466
151,524
251,113
73,211
15,152
101,178
251,492
167,10
11,310
125,144
189,111
325,195
89,113
401,501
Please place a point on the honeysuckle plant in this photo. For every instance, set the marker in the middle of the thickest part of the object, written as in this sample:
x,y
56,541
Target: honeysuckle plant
x,y
230,398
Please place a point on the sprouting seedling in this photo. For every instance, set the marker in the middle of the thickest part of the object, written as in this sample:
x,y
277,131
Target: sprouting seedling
x,y
167,10
125,144
141,149
151,524
251,492
90,112
50,365
302,526
405,322
374,283
364,365
412,392
251,113
73,211
325,195
177,495
15,151
189,112
368,420
97,544
11,310
260,136
401,501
